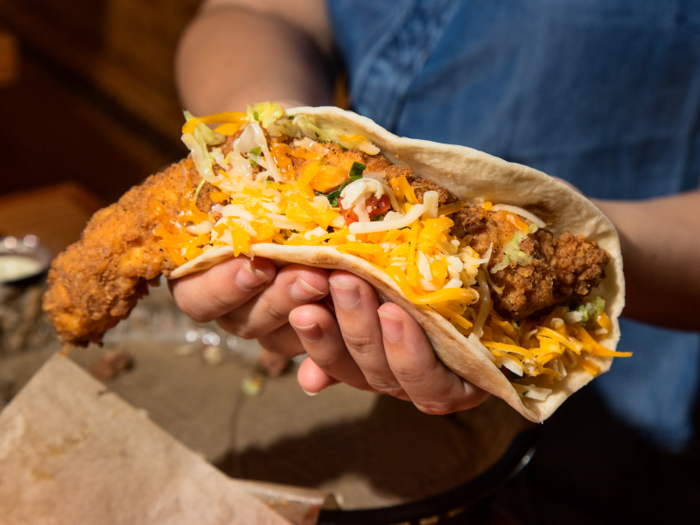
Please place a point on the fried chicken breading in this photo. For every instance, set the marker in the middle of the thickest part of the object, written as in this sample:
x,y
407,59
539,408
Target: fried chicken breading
x,y
420,186
563,269
97,281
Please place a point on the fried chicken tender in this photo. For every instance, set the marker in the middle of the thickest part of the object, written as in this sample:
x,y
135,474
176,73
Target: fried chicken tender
x,y
97,281
579,264
563,269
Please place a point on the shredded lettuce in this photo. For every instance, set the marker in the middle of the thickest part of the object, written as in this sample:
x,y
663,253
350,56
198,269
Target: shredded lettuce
x,y
591,309
204,134
271,117
199,188
311,130
361,143
208,158
254,155
265,113
512,252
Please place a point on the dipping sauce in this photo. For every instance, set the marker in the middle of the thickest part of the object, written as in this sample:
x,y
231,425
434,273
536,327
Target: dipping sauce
x,y
15,267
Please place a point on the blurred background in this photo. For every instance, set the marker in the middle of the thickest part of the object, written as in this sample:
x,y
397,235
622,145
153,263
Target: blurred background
x,y
89,105
91,83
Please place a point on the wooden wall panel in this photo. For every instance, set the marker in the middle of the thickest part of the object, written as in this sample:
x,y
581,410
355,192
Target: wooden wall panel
x,y
124,48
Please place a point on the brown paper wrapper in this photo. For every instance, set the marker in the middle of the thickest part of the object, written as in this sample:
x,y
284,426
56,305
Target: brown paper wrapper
x,y
72,452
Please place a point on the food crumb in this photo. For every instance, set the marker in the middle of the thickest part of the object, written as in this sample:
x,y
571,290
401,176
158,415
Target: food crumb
x,y
252,385
213,355
112,364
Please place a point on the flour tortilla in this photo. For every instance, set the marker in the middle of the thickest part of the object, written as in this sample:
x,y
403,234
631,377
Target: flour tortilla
x,y
467,174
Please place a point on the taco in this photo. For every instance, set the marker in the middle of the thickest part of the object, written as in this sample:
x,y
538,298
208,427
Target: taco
x,y
516,278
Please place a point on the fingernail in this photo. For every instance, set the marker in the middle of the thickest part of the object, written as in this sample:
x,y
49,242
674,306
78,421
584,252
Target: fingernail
x,y
249,278
302,291
312,394
345,295
392,326
311,333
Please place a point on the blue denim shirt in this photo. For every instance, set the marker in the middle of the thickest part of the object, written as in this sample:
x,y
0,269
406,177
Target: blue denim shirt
x,y
603,93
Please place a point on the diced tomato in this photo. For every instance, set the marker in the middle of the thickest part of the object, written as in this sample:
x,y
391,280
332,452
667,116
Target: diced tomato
x,y
375,207
379,206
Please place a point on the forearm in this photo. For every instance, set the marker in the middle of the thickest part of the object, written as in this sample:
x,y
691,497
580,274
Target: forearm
x,y
231,56
661,255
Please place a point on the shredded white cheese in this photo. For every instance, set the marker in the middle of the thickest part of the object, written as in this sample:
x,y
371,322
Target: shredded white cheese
x,y
520,211
512,364
573,317
533,392
427,286
453,283
316,232
262,142
236,210
282,222
360,189
556,322
455,263
312,146
424,266
430,201
202,227
485,304
386,225
392,216
473,339
246,226
338,221
361,209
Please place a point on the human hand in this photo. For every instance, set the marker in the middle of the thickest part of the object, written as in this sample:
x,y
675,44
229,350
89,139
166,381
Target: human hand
x,y
252,299
377,348
380,349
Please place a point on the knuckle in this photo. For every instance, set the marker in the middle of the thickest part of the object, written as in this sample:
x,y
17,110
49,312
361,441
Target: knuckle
x,y
224,303
206,306
361,343
408,375
282,344
246,333
271,312
328,360
385,387
436,408
193,313
235,328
